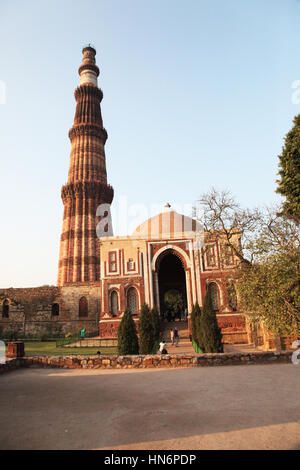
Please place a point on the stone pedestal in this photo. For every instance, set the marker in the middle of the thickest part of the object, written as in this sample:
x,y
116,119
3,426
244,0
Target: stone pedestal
x,y
15,349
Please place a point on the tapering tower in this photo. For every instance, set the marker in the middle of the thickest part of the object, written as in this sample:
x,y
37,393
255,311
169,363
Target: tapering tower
x,y
87,186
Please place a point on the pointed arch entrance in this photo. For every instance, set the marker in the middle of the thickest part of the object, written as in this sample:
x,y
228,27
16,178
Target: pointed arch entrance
x,y
171,281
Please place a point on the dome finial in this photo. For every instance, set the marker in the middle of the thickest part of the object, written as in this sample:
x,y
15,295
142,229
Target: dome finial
x,y
167,207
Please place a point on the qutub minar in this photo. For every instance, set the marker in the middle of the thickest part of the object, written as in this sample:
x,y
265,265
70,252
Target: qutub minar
x,y
87,186
98,278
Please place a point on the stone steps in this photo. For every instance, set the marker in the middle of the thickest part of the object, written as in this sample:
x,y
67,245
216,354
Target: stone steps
x,y
182,327
184,344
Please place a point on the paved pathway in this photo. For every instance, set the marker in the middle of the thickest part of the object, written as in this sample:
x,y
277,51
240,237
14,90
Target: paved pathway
x,y
230,407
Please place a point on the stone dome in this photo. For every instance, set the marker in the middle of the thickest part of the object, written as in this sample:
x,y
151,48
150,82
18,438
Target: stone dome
x,y
167,224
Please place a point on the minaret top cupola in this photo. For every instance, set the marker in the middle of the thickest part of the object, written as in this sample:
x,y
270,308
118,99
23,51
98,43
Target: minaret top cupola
x,y
88,70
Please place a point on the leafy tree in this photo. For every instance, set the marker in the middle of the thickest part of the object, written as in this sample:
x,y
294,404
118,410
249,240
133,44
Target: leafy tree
x,y
155,323
270,292
173,299
146,331
232,297
265,244
127,336
269,288
209,332
289,172
224,221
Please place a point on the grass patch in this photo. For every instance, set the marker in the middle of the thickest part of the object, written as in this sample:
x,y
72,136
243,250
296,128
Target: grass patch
x,y
48,348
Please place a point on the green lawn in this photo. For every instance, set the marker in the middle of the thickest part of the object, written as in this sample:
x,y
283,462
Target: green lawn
x,y
48,348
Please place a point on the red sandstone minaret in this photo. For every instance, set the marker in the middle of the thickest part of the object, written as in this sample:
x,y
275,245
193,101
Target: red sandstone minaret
x,y
87,186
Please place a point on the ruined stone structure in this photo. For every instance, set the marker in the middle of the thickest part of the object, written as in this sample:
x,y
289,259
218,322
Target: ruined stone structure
x,y
49,310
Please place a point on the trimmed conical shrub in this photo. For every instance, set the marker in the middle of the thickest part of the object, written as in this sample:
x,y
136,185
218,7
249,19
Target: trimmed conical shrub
x,y
209,333
195,317
127,335
155,323
146,331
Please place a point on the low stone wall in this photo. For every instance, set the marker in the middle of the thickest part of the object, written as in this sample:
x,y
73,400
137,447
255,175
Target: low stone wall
x,y
143,362
235,337
12,364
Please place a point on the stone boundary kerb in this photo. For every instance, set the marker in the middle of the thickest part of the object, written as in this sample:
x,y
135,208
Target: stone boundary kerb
x,y
143,362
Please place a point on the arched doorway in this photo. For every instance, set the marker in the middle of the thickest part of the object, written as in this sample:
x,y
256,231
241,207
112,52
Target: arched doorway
x,y
171,282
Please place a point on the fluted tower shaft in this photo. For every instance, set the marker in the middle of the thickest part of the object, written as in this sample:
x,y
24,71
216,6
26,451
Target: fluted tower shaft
x,y
87,186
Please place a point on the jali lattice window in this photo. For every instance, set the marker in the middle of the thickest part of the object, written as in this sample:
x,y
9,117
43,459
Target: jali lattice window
x,y
214,295
132,300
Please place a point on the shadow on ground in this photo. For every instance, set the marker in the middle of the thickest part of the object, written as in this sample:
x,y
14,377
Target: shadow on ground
x,y
253,406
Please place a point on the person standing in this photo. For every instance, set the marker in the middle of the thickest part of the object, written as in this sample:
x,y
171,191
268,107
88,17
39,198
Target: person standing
x,y
176,337
172,335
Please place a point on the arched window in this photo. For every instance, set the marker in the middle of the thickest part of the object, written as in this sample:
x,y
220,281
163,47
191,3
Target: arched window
x,y
83,307
132,300
55,310
214,295
114,303
5,309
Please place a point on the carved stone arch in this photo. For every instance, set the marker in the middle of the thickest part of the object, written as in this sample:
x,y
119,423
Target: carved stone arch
x,y
171,249
215,294
171,272
220,286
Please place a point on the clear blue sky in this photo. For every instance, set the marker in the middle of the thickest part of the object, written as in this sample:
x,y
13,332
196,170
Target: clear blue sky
x,y
197,93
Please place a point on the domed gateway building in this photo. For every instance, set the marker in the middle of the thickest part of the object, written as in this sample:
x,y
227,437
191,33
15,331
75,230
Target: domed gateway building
x,y
166,255
100,276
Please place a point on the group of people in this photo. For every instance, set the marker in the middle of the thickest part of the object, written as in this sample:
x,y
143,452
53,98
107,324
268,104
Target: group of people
x,y
173,315
174,340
